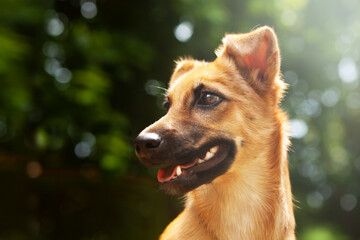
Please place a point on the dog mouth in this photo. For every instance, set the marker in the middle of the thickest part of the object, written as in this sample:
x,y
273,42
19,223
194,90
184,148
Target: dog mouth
x,y
206,159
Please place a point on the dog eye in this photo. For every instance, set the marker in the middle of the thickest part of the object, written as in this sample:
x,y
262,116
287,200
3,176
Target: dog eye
x,y
209,99
166,103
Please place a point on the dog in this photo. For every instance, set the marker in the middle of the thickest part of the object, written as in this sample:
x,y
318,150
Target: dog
x,y
223,143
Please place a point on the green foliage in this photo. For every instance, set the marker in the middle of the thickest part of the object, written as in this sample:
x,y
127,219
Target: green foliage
x,y
322,233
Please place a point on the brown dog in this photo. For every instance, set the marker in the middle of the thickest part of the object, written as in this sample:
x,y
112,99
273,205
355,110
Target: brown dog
x,y
224,143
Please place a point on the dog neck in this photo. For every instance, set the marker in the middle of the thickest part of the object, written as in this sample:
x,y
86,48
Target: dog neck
x,y
255,195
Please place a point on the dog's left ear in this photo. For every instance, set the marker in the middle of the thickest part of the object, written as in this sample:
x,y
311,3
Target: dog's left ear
x,y
256,55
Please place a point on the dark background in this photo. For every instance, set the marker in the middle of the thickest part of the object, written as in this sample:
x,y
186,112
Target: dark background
x,y
80,79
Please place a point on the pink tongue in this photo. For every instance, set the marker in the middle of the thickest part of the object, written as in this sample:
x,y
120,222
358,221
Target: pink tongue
x,y
167,173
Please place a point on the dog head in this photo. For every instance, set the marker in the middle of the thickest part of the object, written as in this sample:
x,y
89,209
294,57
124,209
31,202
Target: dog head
x,y
216,112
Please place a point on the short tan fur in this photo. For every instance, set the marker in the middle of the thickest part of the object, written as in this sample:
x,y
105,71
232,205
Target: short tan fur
x,y
252,199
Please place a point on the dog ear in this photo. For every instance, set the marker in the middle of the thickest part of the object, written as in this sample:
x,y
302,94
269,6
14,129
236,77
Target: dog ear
x,y
256,55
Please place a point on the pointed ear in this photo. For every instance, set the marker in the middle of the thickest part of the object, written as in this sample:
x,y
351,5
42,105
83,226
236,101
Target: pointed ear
x,y
256,55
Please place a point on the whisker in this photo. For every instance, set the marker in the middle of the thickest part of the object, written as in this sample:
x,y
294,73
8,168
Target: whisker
x,y
161,88
156,90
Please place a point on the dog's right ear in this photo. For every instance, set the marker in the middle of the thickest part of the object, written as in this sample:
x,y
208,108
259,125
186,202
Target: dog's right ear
x,y
256,55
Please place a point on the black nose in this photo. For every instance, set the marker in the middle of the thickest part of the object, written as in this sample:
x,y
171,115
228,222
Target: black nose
x,y
146,142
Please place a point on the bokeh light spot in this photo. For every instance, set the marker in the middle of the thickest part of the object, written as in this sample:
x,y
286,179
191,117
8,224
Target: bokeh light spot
x,y
86,146
89,138
298,128
315,199
51,65
51,49
291,77
304,169
184,31
63,75
310,107
348,202
88,10
55,27
347,70
82,149
326,191
339,156
330,97
109,162
34,169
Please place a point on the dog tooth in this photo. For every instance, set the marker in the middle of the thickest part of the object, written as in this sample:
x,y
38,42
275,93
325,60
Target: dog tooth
x,y
202,156
201,160
178,170
208,156
214,149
